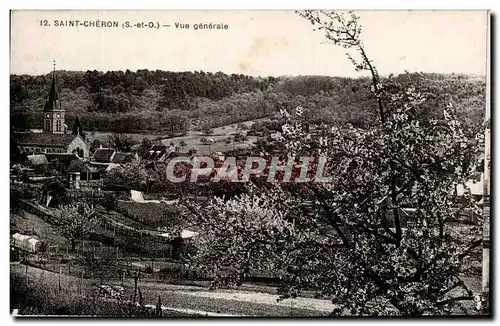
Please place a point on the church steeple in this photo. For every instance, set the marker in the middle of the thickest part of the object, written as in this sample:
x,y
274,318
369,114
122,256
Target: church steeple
x,y
53,112
53,100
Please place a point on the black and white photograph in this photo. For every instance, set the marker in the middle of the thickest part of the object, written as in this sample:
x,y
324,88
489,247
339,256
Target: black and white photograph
x,y
249,163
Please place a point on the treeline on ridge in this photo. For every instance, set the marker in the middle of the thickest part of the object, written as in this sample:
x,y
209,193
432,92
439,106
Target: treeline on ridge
x,y
164,101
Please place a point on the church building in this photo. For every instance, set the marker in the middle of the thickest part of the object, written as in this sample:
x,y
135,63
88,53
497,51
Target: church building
x,y
55,137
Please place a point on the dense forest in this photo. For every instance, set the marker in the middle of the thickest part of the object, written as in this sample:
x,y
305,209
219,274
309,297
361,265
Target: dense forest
x,y
164,102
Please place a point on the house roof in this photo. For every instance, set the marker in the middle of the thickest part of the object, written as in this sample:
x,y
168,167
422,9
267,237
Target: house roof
x,y
61,157
156,152
121,158
38,159
103,154
43,139
97,167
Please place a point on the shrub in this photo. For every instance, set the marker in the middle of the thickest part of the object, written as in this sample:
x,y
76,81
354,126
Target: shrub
x,y
109,201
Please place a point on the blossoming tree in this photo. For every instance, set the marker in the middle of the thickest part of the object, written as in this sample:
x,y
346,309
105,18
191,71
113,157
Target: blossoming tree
x,y
379,238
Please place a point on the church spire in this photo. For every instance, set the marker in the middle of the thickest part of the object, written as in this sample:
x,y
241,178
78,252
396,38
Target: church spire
x,y
53,113
53,100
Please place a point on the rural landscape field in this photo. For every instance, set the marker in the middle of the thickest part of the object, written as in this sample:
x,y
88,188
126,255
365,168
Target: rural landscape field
x,y
389,220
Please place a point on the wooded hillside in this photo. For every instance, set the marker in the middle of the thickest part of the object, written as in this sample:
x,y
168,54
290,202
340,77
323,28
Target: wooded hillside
x,y
163,101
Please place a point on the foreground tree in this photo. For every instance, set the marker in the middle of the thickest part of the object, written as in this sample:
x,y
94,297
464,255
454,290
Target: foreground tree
x,y
76,222
379,238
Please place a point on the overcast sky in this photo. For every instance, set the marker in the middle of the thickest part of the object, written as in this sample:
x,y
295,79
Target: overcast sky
x,y
259,43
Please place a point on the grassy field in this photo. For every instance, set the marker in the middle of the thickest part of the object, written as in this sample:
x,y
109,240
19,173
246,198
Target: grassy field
x,y
103,136
191,138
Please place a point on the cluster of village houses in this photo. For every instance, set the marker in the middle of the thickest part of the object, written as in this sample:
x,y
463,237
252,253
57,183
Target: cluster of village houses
x,y
56,146
93,166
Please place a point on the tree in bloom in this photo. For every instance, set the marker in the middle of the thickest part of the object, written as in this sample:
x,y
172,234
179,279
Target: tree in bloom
x,y
76,222
379,238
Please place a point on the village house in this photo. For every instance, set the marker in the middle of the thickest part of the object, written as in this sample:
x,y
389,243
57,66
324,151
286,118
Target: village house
x,y
164,153
124,157
157,152
111,155
103,155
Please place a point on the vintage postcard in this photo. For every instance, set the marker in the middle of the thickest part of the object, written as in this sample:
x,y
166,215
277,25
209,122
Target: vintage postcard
x,y
280,163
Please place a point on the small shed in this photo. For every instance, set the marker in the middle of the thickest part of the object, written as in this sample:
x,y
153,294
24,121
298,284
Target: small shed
x,y
74,180
26,242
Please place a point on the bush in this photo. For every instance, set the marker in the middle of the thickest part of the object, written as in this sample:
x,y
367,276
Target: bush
x,y
242,126
109,201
